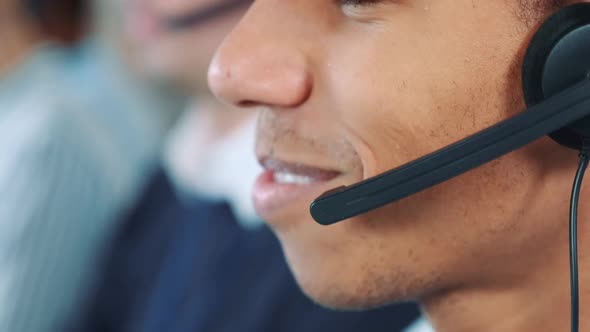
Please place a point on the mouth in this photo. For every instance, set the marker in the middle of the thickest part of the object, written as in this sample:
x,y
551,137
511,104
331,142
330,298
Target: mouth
x,y
283,184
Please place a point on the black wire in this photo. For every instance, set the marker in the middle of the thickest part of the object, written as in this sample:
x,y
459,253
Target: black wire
x,y
574,239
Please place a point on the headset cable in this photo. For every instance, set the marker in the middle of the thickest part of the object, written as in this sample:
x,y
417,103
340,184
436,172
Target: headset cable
x,y
584,156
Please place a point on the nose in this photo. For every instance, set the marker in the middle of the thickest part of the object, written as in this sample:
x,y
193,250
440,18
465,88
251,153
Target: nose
x,y
261,62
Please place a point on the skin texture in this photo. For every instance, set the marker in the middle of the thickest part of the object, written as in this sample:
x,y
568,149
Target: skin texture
x,y
360,89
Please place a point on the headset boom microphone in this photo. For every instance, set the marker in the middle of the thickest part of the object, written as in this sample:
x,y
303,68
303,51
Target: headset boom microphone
x,y
557,91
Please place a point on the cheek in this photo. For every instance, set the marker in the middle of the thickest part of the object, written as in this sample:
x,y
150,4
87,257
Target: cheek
x,y
394,116
402,95
454,229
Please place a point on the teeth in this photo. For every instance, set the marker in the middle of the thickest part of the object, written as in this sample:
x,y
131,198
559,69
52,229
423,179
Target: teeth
x,y
290,178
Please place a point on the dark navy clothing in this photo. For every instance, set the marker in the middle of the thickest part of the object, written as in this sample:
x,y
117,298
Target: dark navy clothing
x,y
189,267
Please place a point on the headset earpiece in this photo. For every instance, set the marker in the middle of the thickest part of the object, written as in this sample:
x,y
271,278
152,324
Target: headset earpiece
x,y
559,57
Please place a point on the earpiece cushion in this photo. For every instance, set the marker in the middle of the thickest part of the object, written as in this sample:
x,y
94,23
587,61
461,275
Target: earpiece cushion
x,y
559,57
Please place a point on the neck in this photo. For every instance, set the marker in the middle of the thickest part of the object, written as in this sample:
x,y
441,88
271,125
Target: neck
x,y
538,301
18,36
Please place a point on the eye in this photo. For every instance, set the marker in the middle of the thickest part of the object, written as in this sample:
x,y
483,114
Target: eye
x,y
358,2
367,10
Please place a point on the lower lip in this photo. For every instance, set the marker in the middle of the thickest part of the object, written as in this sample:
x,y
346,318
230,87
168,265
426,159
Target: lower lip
x,y
270,197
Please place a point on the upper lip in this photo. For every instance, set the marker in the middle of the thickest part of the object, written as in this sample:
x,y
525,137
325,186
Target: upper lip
x,y
317,173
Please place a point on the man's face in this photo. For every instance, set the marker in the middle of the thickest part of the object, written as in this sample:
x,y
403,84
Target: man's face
x,y
347,90
179,55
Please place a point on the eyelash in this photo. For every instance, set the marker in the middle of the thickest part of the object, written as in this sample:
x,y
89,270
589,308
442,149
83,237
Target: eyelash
x,y
358,2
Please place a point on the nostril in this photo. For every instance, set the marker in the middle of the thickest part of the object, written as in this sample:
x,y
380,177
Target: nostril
x,y
247,103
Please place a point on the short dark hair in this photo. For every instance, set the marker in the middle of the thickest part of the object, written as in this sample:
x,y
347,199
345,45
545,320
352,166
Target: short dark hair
x,y
60,20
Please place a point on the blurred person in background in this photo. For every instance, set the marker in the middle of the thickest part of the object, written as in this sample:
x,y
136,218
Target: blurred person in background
x,y
79,136
193,256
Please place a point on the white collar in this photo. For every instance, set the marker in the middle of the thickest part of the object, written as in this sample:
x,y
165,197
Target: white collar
x,y
421,325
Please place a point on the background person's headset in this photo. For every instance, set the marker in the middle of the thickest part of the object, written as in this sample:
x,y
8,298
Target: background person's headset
x,y
556,83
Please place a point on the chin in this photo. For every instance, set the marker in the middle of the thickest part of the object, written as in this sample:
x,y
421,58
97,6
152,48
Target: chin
x,y
341,277
327,294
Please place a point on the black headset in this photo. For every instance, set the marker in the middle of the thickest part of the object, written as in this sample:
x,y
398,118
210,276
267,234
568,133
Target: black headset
x,y
557,92
556,84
